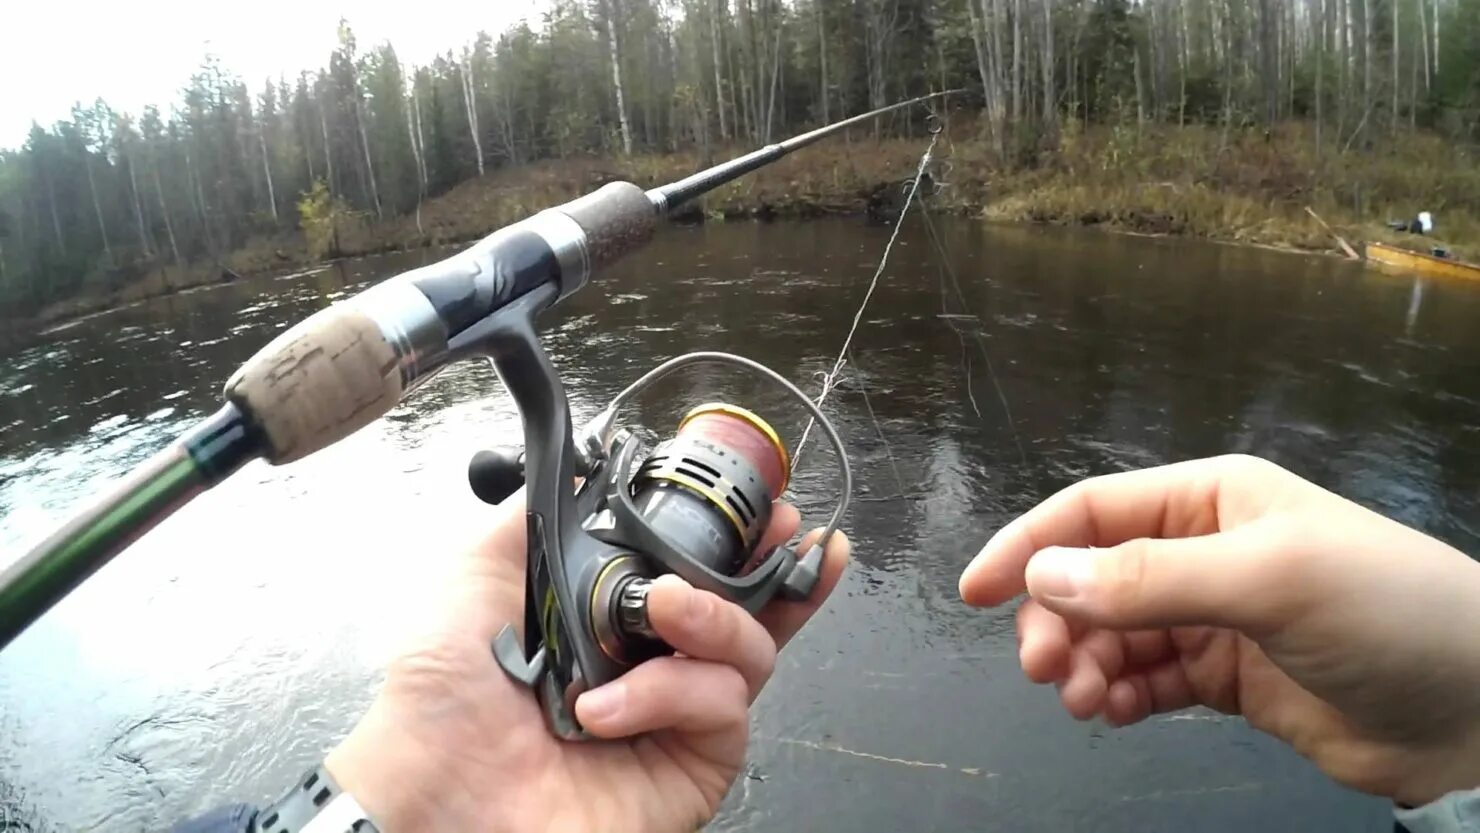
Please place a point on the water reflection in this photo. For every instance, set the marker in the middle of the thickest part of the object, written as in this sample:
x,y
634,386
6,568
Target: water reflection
x,y
209,664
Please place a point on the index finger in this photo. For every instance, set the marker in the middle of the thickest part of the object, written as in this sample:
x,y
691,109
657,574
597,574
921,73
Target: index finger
x,y
1173,501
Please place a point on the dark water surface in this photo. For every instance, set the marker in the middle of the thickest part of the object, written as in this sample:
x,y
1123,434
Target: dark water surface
x,y
230,647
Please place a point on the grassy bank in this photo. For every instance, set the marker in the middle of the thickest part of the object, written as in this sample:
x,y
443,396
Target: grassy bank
x,y
1248,187
1244,186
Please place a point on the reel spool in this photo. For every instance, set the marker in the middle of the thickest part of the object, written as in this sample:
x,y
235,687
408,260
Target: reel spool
x,y
708,491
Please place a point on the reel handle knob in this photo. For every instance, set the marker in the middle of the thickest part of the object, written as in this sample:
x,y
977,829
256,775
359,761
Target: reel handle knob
x,y
632,612
496,474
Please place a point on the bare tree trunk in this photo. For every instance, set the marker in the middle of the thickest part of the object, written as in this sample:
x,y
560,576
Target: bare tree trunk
x,y
983,67
613,22
1343,60
1423,38
164,210
416,151
1436,37
745,123
1269,66
1413,91
365,146
421,142
267,172
1227,72
995,95
1017,61
1182,86
133,182
1320,65
1154,58
649,117
56,220
758,53
1050,100
775,74
1140,89
308,155
506,122
878,29
98,207
1292,47
822,55
193,182
328,152
715,12
418,154
995,22
1394,4
1366,59
470,106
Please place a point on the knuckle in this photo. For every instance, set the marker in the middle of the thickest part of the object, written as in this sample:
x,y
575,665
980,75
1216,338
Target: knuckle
x,y
660,679
731,686
721,627
1122,576
765,653
1251,467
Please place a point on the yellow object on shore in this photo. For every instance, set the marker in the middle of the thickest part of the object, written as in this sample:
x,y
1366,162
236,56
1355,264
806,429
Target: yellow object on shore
x,y
1385,255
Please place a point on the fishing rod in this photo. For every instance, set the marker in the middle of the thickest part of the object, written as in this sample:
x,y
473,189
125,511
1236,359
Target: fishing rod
x,y
695,505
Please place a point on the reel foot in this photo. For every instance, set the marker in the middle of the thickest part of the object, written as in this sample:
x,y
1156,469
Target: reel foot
x,y
510,656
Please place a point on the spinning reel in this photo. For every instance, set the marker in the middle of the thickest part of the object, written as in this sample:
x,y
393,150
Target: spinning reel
x,y
696,505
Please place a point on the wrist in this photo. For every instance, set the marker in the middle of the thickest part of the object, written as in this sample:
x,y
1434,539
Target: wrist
x,y
314,804
395,786
1453,767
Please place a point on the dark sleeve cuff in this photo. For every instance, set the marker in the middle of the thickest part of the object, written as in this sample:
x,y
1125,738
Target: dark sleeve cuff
x,y
233,818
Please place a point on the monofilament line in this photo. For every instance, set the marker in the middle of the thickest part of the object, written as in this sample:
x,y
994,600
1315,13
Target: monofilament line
x,y
830,380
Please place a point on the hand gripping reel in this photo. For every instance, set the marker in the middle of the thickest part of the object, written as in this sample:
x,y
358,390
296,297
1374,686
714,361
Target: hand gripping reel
x,y
695,505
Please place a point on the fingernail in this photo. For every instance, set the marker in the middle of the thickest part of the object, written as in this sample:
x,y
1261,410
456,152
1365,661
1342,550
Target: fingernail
x,y
604,703
1061,573
699,609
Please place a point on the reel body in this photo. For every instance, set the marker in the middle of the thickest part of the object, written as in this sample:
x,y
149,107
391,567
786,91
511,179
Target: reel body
x,y
696,504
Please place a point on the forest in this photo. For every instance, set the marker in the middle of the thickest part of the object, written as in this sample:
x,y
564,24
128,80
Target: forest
x,y
104,198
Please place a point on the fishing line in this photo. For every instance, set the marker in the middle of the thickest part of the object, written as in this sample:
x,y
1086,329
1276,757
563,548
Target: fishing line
x,y
830,379
944,265
879,428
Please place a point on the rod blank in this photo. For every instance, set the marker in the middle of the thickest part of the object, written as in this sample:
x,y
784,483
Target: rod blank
x,y
668,197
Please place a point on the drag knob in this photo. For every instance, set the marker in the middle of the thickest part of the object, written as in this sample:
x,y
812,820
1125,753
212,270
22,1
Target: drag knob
x,y
632,612
494,475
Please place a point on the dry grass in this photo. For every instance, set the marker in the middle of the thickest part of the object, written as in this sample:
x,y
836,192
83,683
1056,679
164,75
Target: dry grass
x,y
1247,187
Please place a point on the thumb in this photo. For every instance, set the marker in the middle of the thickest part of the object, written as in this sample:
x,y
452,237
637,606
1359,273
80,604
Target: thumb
x,y
1236,579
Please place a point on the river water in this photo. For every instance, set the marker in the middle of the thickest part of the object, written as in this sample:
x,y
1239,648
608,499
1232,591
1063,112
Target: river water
x,y
226,650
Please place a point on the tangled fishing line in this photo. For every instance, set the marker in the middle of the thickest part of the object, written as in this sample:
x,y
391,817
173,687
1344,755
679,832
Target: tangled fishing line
x,y
830,378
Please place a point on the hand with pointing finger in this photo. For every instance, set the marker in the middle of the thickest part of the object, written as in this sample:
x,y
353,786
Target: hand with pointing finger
x,y
1234,584
451,744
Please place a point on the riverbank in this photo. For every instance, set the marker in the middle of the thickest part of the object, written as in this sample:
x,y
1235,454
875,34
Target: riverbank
x,y
1240,186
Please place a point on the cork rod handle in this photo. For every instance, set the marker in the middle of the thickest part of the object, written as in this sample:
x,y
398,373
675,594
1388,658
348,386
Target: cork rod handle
x,y
317,383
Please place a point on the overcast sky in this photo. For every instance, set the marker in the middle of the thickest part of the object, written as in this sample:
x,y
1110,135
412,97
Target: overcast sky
x,y
57,52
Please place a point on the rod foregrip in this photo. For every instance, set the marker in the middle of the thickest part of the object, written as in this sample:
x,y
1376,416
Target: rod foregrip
x,y
617,218
329,376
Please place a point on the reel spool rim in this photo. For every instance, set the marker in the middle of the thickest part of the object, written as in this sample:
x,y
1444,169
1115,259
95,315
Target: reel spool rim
x,y
756,422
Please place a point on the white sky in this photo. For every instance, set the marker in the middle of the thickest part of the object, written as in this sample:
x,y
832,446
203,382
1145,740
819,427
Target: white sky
x,y
57,52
